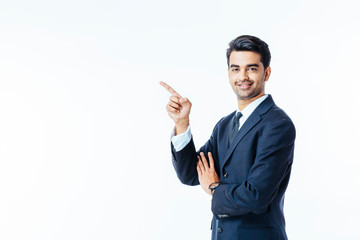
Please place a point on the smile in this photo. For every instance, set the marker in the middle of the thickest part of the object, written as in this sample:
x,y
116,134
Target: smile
x,y
244,85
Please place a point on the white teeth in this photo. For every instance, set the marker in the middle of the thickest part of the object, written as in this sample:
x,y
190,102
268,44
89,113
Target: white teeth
x,y
244,85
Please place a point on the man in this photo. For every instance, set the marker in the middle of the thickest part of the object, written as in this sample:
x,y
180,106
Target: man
x,y
249,154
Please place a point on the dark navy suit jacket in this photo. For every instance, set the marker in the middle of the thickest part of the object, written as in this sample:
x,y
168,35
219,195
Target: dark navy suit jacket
x,y
254,171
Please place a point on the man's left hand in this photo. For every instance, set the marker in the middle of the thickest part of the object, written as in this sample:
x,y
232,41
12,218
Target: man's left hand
x,y
206,172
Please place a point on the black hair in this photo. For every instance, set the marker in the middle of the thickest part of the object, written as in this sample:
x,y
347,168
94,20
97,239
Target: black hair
x,y
252,44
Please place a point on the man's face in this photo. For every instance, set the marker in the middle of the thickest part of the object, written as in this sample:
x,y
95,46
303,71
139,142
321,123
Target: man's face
x,y
247,75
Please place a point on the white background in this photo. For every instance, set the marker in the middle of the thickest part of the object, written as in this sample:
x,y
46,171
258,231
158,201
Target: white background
x,y
84,135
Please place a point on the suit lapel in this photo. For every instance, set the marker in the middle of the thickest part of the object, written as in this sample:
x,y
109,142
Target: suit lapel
x,y
248,125
225,139
254,119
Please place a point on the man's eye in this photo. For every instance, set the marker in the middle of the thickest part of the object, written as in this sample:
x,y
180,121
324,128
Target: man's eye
x,y
252,69
235,69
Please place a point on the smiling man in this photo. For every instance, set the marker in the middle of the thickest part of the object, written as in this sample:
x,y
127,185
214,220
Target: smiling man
x,y
245,165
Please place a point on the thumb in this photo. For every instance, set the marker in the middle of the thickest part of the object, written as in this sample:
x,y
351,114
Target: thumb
x,y
184,100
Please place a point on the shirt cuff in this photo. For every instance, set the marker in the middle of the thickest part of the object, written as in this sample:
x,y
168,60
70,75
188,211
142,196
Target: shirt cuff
x,y
181,140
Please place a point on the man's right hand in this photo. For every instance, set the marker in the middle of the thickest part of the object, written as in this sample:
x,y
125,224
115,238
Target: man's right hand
x,y
178,109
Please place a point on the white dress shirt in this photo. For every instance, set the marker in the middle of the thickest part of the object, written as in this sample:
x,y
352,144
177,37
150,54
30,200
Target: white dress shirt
x,y
181,140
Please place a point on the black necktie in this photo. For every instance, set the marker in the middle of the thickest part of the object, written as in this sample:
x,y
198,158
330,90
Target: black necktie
x,y
235,126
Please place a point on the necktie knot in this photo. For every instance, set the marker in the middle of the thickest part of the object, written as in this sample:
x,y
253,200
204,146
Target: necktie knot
x,y
238,116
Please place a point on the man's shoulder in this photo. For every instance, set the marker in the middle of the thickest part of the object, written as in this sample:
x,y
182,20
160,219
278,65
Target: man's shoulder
x,y
277,113
270,111
277,118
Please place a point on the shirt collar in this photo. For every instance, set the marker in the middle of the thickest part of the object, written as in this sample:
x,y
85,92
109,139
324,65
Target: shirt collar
x,y
247,111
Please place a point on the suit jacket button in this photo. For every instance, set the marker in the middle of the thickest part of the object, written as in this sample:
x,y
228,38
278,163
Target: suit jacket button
x,y
226,174
219,230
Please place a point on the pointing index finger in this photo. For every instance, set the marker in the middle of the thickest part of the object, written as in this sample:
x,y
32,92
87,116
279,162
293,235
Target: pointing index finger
x,y
170,89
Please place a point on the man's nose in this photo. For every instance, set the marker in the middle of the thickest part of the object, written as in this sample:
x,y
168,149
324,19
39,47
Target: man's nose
x,y
243,75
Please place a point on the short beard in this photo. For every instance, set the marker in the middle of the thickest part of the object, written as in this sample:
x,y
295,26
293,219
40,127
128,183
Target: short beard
x,y
254,94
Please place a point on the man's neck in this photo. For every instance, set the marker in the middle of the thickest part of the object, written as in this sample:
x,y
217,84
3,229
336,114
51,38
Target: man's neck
x,y
243,103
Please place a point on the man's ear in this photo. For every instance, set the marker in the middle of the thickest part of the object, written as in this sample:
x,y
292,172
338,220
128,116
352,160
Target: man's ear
x,y
267,73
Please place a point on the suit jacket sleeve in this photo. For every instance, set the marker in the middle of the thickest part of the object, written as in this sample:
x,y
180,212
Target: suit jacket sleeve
x,y
185,160
272,164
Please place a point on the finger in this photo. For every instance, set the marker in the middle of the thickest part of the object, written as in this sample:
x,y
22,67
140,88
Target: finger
x,y
171,109
201,165
184,100
178,100
204,161
174,98
198,169
174,105
170,89
211,160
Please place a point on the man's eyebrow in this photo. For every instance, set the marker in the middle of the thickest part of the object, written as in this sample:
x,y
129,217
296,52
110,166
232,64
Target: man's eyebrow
x,y
249,65
253,65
